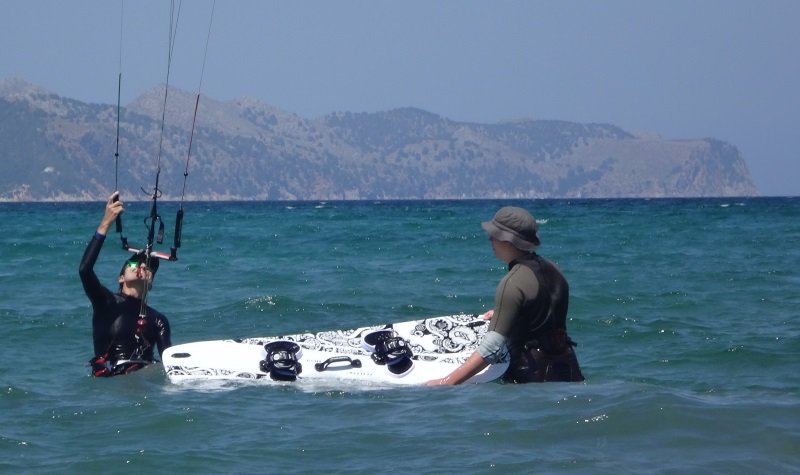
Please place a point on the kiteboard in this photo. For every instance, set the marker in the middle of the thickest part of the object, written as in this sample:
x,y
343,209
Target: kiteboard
x,y
403,353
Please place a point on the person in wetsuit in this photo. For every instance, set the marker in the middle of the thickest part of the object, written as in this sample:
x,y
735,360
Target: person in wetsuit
x,y
529,320
123,342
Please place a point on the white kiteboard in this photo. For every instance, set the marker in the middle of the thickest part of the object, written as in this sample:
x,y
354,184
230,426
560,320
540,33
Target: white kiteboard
x,y
411,352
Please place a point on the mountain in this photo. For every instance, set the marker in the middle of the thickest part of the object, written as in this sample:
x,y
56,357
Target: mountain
x,y
54,148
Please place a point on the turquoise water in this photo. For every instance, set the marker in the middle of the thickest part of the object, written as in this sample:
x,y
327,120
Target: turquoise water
x,y
685,311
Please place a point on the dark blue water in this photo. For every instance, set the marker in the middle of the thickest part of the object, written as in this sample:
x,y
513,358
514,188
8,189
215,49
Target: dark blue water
x,y
685,311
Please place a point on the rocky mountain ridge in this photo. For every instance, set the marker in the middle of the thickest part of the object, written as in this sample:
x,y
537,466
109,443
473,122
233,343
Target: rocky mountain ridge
x,y
60,149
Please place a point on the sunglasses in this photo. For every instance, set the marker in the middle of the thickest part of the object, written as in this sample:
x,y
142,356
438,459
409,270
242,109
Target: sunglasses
x,y
136,264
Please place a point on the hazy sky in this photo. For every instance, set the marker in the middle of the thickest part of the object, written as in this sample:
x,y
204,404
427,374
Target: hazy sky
x,y
728,69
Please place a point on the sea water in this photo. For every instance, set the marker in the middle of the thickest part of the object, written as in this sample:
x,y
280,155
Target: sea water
x,y
685,311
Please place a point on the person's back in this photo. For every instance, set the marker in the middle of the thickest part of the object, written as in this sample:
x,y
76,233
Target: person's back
x,y
540,349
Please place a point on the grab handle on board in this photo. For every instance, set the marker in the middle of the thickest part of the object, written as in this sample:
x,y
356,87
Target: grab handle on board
x,y
337,359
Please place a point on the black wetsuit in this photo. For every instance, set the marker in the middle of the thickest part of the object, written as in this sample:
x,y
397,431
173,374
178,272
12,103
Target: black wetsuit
x,y
117,346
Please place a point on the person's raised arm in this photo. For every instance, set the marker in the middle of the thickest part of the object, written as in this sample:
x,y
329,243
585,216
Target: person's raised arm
x,y
91,284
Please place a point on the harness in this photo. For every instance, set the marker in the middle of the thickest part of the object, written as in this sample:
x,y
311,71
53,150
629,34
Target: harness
x,y
103,368
543,323
106,366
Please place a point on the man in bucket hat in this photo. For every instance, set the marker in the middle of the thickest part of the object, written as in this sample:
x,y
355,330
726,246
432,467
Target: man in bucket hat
x,y
530,310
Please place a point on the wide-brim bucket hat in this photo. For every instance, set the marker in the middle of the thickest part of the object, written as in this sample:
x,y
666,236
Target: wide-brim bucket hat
x,y
514,225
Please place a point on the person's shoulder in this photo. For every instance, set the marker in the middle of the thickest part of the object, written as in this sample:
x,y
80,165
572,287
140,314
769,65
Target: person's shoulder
x,y
520,269
520,276
552,265
156,313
